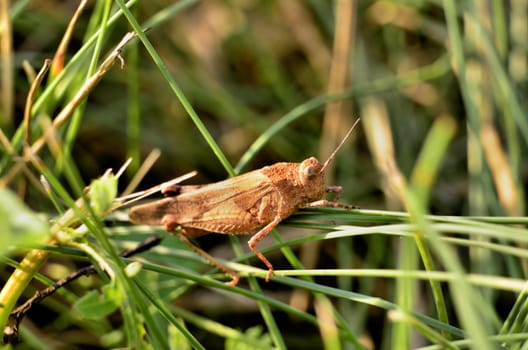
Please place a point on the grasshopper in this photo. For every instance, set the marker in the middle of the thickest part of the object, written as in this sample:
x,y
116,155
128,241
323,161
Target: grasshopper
x,y
255,201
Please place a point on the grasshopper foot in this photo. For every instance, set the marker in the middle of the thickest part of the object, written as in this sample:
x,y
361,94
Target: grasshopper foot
x,y
270,273
234,280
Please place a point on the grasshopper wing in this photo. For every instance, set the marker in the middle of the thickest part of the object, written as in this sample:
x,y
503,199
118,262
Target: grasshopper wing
x,y
238,205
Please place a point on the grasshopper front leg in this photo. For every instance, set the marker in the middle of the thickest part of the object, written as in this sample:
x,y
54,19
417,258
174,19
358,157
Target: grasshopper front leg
x,y
257,237
338,190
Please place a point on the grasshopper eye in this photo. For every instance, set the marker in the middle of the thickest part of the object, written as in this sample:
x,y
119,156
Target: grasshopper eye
x,y
309,172
309,169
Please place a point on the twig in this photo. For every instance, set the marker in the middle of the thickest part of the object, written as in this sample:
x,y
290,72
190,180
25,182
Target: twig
x,y
16,316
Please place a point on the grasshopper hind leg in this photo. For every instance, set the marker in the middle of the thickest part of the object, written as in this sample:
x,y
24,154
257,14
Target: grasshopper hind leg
x,y
181,235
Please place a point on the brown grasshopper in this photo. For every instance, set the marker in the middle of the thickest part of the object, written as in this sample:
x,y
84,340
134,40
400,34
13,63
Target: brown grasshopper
x,y
257,200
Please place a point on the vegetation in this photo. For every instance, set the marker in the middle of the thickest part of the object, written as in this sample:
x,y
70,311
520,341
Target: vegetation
x,y
435,257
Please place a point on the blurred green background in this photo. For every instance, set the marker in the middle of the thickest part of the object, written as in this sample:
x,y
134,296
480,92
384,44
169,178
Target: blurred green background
x,y
244,65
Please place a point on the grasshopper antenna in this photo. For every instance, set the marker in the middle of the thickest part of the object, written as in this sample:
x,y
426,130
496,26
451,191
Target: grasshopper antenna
x,y
332,156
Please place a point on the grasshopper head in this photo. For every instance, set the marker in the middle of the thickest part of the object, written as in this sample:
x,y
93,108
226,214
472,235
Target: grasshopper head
x,y
312,173
312,178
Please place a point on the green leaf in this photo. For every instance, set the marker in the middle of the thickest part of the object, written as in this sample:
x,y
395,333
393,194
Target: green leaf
x,y
250,340
19,226
95,305
112,339
133,268
103,191
177,339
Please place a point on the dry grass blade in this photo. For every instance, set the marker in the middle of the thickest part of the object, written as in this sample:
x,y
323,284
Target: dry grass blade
x,y
6,65
60,54
68,110
29,100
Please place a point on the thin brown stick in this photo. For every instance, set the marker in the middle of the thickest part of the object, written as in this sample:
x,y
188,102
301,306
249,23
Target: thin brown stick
x,y
18,314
